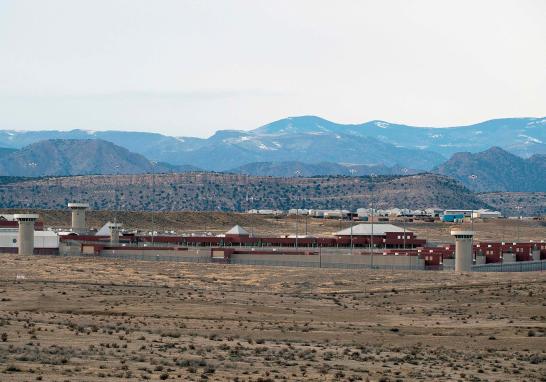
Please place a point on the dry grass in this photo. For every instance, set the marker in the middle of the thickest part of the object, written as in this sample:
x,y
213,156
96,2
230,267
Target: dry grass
x,y
97,320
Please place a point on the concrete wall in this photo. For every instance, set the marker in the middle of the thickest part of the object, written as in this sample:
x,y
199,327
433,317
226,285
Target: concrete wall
x,y
509,257
192,255
284,258
331,261
449,263
480,260
42,239
66,249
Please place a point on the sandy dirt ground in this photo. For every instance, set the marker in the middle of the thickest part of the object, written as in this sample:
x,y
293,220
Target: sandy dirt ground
x,y
76,319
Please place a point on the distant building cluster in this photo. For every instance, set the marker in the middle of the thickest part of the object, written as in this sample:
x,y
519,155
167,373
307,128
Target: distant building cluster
x,y
394,214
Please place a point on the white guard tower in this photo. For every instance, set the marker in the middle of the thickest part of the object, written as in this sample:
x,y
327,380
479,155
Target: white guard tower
x,y
463,249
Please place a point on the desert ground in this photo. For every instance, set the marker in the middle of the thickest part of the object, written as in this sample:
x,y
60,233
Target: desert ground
x,y
219,222
89,319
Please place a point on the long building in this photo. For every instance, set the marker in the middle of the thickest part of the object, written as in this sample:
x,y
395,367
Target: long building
x,y
367,244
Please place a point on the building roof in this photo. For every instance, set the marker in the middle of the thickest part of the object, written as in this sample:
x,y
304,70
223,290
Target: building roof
x,y
105,229
7,217
366,229
26,216
36,233
78,205
237,230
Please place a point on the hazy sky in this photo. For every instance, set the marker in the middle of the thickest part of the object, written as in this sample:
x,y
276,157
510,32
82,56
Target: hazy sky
x,y
193,67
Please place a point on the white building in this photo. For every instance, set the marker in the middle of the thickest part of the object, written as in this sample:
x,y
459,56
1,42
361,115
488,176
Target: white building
x,y
486,214
42,239
237,230
316,213
433,212
336,214
298,211
366,230
265,211
466,213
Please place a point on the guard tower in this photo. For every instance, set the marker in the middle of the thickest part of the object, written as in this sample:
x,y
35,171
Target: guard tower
x,y
114,232
78,217
463,249
26,233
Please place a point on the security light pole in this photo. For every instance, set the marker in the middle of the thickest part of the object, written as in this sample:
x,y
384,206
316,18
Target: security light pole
x,y
153,163
297,221
116,172
250,216
372,175
473,178
352,171
297,173
405,171
351,237
519,208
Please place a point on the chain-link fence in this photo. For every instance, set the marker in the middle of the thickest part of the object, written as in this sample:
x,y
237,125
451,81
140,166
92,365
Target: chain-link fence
x,y
521,266
322,264
146,257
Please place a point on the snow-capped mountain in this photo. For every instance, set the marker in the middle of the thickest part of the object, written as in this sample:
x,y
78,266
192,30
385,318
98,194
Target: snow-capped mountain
x,y
312,139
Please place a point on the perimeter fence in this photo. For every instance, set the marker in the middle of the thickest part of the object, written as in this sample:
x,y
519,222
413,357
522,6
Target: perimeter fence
x,y
520,266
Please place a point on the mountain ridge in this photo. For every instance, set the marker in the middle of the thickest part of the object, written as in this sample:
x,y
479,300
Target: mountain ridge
x,y
62,157
296,168
313,139
496,169
230,192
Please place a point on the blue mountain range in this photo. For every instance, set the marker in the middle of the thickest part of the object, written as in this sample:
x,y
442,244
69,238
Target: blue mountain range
x,y
312,139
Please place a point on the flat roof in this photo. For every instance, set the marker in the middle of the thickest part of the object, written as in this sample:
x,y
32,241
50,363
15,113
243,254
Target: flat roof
x,y
456,232
78,205
366,229
26,216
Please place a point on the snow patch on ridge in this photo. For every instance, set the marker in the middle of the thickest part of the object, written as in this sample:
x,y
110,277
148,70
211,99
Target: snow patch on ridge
x,y
382,125
262,146
529,139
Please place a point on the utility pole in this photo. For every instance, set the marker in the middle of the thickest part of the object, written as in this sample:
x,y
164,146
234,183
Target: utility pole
x,y
473,178
519,208
351,237
250,216
116,172
371,235
297,221
297,173
153,163
405,171
352,171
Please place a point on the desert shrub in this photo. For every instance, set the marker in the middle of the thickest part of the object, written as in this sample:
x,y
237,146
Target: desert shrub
x,y
12,369
172,334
